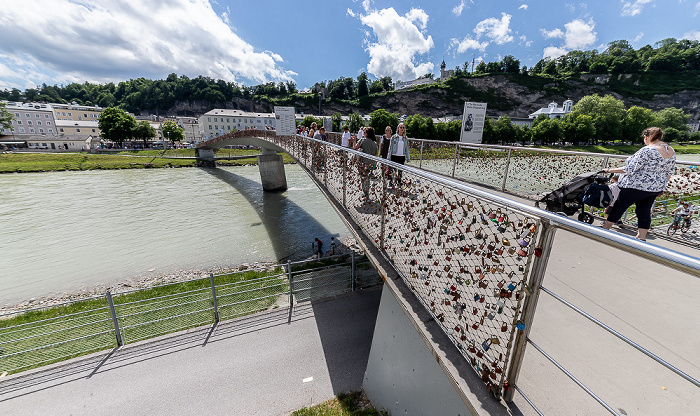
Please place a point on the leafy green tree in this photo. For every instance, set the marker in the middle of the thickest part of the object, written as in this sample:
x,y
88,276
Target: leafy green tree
x,y
5,117
504,130
306,122
355,121
578,128
381,118
143,131
672,118
636,120
607,113
489,134
510,65
362,88
115,125
336,118
172,132
413,125
387,83
548,131
376,87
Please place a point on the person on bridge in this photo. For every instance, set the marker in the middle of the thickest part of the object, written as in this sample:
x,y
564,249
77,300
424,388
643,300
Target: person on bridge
x,y
317,245
645,176
346,139
366,145
398,149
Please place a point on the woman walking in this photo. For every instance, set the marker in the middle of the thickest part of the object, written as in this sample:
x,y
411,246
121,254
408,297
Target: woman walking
x,y
398,148
643,178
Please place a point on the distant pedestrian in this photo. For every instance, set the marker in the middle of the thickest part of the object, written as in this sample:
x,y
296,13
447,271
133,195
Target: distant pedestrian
x,y
332,246
346,140
398,149
317,245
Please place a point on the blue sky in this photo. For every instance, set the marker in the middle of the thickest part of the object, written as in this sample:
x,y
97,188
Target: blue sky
x,y
305,41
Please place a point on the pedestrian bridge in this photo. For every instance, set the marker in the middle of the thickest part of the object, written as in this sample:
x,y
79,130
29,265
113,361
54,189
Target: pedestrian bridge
x,y
467,268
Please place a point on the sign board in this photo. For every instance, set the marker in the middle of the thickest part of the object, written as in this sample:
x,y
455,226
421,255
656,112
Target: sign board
x,y
328,124
473,122
285,123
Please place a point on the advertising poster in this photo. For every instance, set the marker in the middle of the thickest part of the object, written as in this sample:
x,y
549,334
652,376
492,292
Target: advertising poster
x,y
285,122
473,122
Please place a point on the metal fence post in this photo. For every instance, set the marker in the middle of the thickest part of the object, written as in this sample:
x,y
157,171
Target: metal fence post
x,y
420,161
528,313
115,319
213,298
454,161
605,162
382,218
352,271
345,175
505,173
291,290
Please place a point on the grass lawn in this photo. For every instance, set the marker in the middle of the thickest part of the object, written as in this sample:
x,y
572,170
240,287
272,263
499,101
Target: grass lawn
x,y
350,404
44,336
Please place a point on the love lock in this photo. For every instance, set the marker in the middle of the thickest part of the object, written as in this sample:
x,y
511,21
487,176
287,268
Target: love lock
x,y
538,251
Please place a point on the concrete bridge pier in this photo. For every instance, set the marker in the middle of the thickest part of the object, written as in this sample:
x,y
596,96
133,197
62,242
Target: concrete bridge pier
x,y
272,171
205,157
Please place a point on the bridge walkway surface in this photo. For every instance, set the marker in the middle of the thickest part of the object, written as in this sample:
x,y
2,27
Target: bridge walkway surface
x,y
256,365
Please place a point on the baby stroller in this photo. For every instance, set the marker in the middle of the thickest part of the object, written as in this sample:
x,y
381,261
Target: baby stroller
x,y
586,189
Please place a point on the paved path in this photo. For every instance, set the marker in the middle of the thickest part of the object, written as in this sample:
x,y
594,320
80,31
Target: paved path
x,y
258,365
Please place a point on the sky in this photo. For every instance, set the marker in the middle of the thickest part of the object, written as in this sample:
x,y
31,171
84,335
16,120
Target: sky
x,y
58,42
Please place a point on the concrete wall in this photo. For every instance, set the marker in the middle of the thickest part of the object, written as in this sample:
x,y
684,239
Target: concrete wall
x,y
402,376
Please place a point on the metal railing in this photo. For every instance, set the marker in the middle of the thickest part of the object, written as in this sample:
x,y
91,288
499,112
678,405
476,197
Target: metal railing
x,y
475,260
40,336
530,172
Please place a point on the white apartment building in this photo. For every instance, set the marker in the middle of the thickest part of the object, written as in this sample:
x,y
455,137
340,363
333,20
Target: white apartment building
x,y
30,119
76,112
553,111
221,121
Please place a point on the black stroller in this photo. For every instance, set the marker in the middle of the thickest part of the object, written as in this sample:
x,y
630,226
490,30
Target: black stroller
x,y
585,189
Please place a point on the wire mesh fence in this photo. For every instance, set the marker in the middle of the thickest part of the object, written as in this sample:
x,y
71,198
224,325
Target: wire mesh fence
x,y
42,336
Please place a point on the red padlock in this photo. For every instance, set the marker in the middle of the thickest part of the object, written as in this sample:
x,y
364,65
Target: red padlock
x,y
538,251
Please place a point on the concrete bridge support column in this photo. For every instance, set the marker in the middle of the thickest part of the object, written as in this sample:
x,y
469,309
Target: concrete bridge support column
x,y
205,157
272,171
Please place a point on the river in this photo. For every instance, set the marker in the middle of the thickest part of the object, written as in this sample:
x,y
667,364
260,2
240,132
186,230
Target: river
x,y
65,231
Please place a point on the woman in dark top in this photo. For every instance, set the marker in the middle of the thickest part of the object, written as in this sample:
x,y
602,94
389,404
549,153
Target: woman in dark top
x,y
384,144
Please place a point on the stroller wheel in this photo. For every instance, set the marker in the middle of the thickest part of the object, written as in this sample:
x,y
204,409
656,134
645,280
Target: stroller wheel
x,y
585,217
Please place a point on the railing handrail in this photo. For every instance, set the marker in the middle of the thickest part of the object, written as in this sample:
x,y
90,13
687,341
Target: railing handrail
x,y
538,149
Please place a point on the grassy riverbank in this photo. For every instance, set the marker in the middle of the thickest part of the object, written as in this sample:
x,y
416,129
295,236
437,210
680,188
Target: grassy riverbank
x,y
49,162
345,404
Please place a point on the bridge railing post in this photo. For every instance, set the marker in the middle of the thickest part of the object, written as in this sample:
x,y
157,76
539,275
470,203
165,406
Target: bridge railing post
x,y
528,313
505,172
454,161
383,209
291,290
420,160
345,177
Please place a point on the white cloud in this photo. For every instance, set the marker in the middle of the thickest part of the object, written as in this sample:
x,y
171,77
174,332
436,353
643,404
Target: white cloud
x,y
692,35
555,33
110,40
524,41
467,43
419,17
350,13
498,30
457,10
633,8
553,52
522,7
399,40
579,34
638,37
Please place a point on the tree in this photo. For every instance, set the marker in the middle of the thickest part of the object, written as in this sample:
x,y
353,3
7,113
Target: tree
x,y
311,119
143,131
504,130
172,132
672,118
578,128
547,131
336,118
510,65
376,87
636,120
5,118
355,121
381,118
362,88
115,125
607,113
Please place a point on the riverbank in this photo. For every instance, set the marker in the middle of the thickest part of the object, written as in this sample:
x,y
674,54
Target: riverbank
x,y
344,245
23,162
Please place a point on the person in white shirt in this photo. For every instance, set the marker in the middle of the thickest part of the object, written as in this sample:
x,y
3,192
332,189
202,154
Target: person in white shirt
x,y
360,134
685,210
346,139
